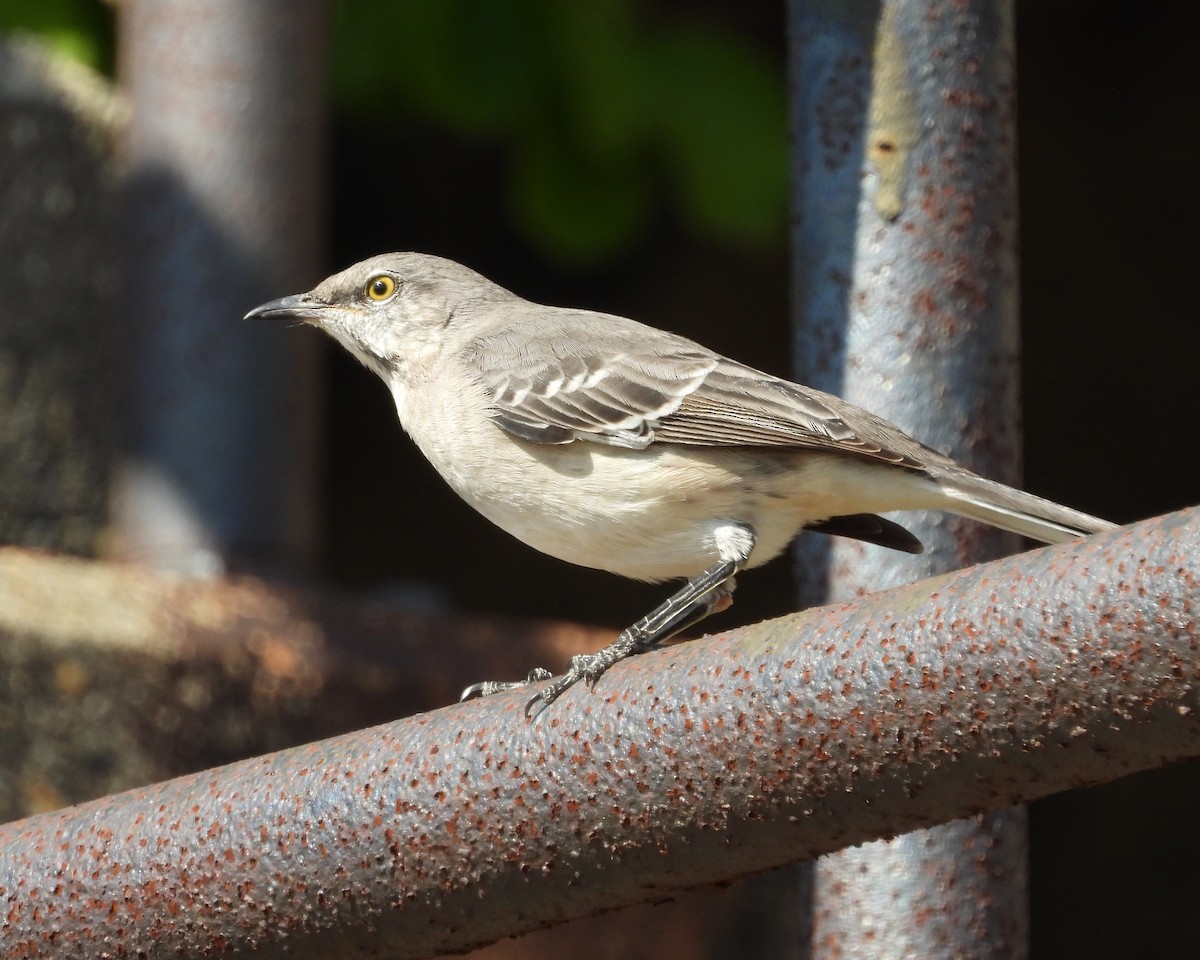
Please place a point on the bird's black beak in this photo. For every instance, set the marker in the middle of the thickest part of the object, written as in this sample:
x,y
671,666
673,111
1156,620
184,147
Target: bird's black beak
x,y
301,306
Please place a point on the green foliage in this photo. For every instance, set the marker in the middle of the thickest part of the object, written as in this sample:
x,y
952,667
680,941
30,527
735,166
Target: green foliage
x,y
604,118
80,29
723,118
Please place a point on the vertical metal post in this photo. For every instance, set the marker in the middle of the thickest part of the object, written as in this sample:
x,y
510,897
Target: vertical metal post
x,y
905,299
224,210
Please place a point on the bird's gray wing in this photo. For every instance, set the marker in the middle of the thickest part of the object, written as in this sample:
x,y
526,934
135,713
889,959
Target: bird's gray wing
x,y
652,387
548,392
738,405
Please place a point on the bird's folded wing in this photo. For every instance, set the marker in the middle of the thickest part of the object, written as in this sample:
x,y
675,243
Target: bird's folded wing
x,y
674,393
617,398
737,405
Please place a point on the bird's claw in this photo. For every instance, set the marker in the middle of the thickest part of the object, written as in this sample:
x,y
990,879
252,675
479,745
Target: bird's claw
x,y
547,695
487,687
586,667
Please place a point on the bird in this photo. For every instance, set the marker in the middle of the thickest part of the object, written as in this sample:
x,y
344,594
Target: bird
x,y
614,445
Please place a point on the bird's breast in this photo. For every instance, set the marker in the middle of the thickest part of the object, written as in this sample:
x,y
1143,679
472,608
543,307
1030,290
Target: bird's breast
x,y
651,514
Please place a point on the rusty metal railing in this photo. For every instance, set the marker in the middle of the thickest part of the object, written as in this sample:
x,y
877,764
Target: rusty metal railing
x,y
698,763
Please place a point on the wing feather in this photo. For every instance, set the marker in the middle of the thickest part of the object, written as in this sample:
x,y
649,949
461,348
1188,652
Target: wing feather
x,y
548,395
649,386
740,405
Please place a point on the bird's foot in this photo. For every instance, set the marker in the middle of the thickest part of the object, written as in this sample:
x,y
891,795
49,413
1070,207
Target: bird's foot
x,y
708,593
588,667
487,687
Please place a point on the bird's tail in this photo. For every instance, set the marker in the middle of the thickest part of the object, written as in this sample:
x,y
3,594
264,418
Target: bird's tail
x,y
1016,511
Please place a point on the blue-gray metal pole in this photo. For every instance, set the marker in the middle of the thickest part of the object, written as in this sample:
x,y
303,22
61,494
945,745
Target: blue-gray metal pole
x,y
905,297
224,154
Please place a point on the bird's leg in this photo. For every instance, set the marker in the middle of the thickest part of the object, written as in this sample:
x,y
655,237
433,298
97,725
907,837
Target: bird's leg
x,y
701,596
709,593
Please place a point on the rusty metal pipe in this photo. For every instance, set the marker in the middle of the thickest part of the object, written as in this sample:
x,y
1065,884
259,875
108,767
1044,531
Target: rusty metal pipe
x,y
699,763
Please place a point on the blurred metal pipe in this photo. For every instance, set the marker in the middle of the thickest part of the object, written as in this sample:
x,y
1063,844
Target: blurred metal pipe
x,y
224,157
906,300
695,764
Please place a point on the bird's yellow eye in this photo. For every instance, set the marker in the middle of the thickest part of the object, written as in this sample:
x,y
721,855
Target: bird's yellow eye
x,y
380,288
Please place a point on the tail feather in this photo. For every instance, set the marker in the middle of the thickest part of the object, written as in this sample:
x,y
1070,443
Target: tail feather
x,y
1016,511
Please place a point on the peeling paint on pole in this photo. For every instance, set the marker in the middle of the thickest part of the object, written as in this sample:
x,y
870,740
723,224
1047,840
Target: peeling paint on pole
x,y
905,276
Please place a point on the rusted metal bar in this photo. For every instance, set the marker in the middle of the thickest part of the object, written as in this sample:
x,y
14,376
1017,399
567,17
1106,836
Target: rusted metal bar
x,y
698,763
906,303
224,154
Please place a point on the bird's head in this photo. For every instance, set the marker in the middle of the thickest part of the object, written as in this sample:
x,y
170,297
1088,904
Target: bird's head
x,y
389,311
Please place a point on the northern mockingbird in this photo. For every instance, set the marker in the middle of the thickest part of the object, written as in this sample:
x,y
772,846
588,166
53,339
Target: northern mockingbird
x,y
614,445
